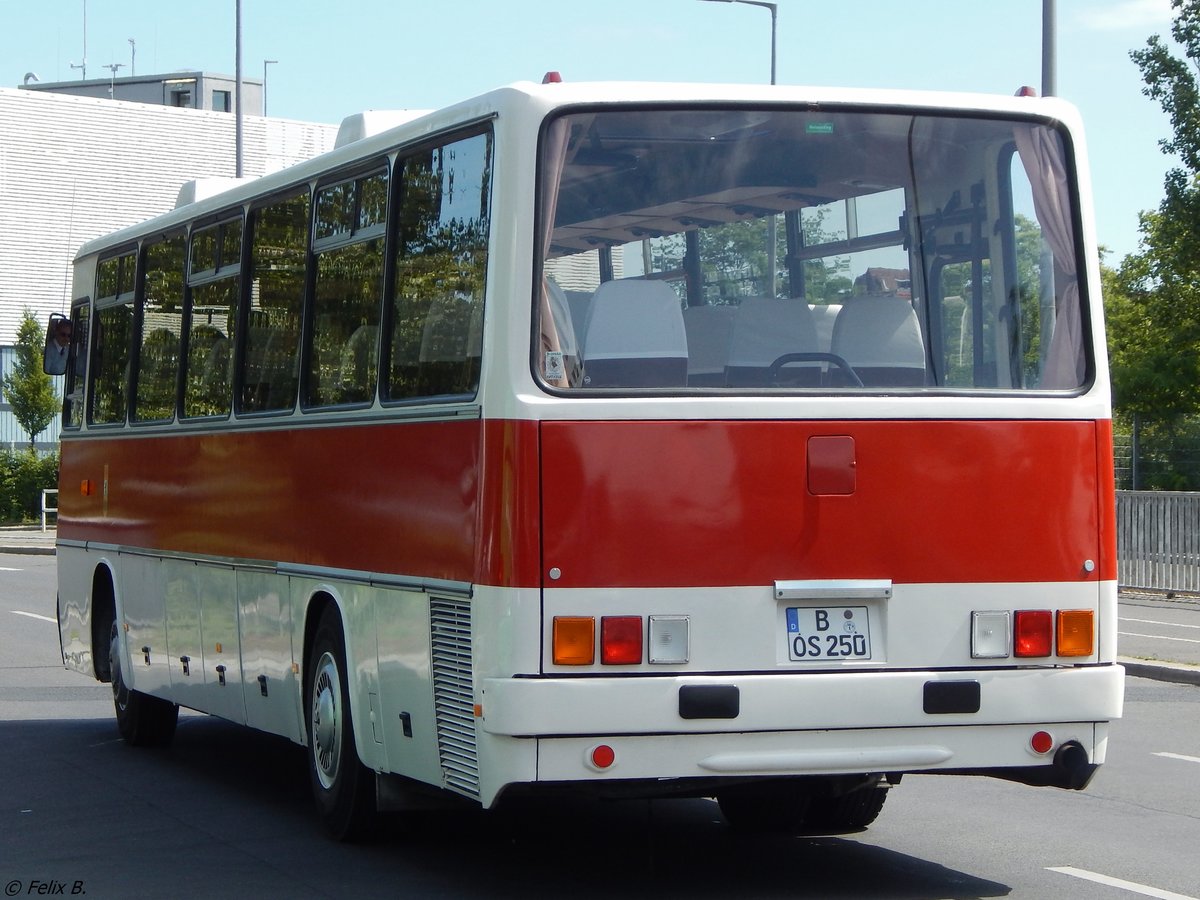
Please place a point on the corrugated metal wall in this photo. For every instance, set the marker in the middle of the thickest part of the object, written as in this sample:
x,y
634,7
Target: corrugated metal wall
x,y
74,168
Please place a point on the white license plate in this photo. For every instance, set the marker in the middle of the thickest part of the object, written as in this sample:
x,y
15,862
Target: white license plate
x,y
817,634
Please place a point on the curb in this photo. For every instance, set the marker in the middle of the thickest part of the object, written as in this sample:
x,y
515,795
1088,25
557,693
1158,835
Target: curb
x,y
1177,673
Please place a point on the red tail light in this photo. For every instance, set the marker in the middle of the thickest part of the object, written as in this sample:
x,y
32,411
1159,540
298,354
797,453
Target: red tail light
x,y
1033,632
621,640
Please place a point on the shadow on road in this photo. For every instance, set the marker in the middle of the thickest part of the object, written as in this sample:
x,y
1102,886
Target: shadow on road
x,y
228,809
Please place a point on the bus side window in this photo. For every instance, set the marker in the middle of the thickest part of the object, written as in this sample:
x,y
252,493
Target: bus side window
x,y
436,322
343,350
278,258
77,368
114,336
214,275
161,327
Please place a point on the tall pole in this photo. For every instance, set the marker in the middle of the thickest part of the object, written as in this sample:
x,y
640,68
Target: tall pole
x,y
266,62
83,63
772,230
237,89
1049,50
132,57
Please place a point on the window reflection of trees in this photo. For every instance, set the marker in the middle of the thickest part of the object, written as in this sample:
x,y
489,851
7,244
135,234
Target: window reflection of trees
x,y
441,268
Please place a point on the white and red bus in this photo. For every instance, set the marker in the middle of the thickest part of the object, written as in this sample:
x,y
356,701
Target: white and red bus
x,y
654,440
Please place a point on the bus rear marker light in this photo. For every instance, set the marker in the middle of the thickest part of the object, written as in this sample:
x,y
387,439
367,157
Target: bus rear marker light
x,y
1041,743
1075,633
601,757
574,640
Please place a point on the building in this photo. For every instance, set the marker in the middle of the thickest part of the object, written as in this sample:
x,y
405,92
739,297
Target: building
x,y
76,167
186,90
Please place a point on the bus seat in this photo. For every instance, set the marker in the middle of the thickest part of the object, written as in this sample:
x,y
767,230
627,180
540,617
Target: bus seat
x,y
358,370
765,329
579,301
709,329
824,315
880,338
634,336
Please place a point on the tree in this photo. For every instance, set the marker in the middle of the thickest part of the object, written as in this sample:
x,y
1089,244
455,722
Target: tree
x,y
1154,304
27,388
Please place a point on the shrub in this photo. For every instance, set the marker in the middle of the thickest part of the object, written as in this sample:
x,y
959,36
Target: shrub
x,y
23,476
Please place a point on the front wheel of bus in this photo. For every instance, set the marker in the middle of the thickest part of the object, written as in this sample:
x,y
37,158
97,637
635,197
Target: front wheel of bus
x,y
342,785
143,721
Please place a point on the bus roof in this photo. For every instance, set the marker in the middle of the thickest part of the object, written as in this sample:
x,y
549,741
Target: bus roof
x,y
373,133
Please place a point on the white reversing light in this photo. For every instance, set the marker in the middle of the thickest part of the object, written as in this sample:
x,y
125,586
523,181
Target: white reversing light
x,y
668,640
991,634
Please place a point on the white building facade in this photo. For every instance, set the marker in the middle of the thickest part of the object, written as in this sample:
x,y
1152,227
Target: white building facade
x,y
73,168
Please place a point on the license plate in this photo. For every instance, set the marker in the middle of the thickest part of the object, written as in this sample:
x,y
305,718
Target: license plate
x,y
828,633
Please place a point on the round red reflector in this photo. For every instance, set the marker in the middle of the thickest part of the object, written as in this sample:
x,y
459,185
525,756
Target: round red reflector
x,y
603,756
1041,742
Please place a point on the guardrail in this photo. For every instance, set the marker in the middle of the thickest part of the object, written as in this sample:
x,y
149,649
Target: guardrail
x,y
48,510
1158,540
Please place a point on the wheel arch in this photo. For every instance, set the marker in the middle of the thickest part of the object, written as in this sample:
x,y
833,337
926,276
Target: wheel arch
x,y
103,615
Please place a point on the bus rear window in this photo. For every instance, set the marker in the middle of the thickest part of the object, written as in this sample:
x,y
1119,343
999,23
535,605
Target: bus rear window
x,y
751,250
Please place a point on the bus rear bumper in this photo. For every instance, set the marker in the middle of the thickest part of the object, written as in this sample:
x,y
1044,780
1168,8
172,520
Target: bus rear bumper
x,y
531,707
812,724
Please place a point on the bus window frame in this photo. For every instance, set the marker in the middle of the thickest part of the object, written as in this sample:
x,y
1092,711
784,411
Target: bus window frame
x,y
1068,158
99,305
441,141
352,175
203,278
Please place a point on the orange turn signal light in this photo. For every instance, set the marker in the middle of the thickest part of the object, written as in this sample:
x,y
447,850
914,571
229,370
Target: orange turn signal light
x,y
1076,634
574,640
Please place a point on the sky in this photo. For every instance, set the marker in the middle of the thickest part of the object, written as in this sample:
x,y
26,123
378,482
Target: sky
x,y
338,58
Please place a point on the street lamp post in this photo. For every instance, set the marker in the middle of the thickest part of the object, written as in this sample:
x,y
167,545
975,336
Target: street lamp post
x,y
266,62
771,227
773,8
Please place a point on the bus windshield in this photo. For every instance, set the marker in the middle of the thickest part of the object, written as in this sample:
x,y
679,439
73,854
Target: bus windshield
x,y
805,249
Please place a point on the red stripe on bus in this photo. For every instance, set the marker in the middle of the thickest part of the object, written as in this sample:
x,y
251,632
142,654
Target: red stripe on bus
x,y
729,503
653,504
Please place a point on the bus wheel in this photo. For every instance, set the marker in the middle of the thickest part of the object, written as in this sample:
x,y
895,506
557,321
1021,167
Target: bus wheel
x,y
845,814
143,721
343,787
771,807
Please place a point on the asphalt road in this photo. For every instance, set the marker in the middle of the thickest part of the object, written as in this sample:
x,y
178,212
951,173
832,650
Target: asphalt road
x,y
226,812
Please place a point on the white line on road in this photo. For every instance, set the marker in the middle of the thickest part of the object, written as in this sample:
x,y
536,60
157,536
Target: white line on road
x,y
1156,622
7,569
1143,889
1195,759
17,612
1158,637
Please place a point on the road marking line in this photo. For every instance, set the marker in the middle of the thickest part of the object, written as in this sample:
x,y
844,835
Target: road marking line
x,y
1158,637
7,569
1156,622
17,612
1132,886
1195,759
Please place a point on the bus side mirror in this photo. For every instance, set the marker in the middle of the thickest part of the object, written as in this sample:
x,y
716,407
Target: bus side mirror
x,y
58,345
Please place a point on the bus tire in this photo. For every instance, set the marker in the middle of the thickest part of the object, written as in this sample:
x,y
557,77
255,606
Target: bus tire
x,y
143,721
344,789
845,814
771,807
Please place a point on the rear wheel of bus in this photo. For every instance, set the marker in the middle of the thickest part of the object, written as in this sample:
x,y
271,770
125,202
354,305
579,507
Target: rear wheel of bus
x,y
143,721
343,787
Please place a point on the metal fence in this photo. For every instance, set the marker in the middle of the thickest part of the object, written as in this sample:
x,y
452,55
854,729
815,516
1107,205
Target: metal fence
x,y
1158,540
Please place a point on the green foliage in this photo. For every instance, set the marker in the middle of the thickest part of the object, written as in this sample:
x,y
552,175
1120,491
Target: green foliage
x,y
1153,298
27,388
23,476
